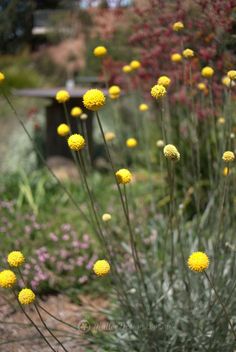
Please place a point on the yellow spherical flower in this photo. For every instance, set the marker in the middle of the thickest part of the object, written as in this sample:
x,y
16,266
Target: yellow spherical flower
x,y
164,81
63,130
188,53
114,92
135,64
232,75
207,72
201,86
178,26
76,142
101,267
106,217
176,57
110,136
228,156
160,143
198,261
62,96
227,82
83,116
2,77
100,51
171,152
143,107
76,111
123,176
7,279
127,69
221,120
15,258
131,142
158,91
94,99
26,296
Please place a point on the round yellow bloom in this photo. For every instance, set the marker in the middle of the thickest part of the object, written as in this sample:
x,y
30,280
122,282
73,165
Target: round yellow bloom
x,y
226,171
26,296
160,143
188,53
62,96
15,258
127,69
178,26
171,152
232,75
131,142
76,142
101,267
106,217
110,136
164,81
2,76
198,261
63,130
94,99
201,86
114,92
7,279
83,116
158,91
135,64
207,72
176,57
228,156
221,120
143,107
100,51
76,111
228,82
123,176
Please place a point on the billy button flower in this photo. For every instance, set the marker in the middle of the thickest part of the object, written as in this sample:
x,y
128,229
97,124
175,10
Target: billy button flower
x,y
176,57
110,136
76,111
114,92
207,72
232,75
63,130
100,51
188,53
226,81
76,142
228,156
62,96
160,143
201,86
178,26
143,107
106,217
15,258
158,91
164,81
131,142
127,69
198,261
7,279
123,176
135,64
94,99
26,296
101,267
171,152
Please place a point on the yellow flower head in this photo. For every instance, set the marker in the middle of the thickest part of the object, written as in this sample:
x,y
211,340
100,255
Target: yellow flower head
x,y
100,51
158,91
226,171
106,217
62,96
123,176
207,72
76,111
176,57
131,142
76,142
83,116
228,156
110,136
221,120
160,143
201,86
114,92
127,69
227,82
164,81
178,26
63,130
7,279
232,75
15,258
171,152
143,107
94,99
188,53
101,267
198,261
26,296
2,77
135,64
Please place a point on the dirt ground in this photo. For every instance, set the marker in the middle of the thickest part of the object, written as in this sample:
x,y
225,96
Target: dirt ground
x,y
18,335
